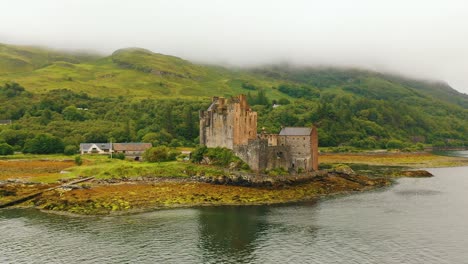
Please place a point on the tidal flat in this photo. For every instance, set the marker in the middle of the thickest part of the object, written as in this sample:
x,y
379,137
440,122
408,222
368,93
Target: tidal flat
x,y
127,187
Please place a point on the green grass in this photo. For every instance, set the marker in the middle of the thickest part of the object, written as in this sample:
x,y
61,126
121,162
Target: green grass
x,y
128,72
21,156
117,169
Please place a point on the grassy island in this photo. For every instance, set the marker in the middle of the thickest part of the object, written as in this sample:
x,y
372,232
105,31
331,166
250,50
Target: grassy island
x,y
121,186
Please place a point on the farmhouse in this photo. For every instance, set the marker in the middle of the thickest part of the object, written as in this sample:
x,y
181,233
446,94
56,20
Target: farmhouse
x,y
95,148
133,150
232,124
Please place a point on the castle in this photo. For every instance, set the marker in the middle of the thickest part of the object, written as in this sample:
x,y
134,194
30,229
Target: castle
x,y
231,123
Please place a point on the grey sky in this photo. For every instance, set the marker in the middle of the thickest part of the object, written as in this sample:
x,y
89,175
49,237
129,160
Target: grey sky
x,y
421,38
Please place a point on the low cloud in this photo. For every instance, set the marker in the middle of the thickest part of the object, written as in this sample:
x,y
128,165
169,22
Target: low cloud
x,y
424,39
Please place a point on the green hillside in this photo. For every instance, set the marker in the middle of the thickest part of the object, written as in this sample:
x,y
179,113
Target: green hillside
x,y
137,95
131,72
15,59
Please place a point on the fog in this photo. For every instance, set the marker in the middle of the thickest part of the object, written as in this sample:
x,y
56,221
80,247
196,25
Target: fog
x,y
423,39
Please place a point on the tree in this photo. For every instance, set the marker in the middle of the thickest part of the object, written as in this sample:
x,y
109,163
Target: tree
x,y
395,144
70,150
43,144
71,113
14,137
12,89
168,120
189,124
6,149
46,117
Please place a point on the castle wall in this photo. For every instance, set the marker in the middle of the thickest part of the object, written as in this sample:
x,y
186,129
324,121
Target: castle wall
x,y
216,129
272,139
245,122
260,156
228,122
301,154
314,148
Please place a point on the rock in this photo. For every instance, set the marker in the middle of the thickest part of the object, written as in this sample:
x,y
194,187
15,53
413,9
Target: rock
x,y
343,169
416,174
232,165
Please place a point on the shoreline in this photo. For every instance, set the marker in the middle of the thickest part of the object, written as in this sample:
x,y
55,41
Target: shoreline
x,y
131,196
135,197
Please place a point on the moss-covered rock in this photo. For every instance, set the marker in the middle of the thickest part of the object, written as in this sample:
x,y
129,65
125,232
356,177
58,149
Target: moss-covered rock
x,y
342,169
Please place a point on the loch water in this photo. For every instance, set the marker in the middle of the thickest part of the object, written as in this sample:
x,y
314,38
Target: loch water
x,y
421,220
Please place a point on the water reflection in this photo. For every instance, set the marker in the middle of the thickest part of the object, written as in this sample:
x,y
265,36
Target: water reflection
x,y
416,221
230,234
452,153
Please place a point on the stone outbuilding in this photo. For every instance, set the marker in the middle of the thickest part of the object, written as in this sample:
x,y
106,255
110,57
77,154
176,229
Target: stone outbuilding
x,y
130,150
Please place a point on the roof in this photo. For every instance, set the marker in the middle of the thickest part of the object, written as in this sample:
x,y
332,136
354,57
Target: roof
x,y
295,131
131,146
99,145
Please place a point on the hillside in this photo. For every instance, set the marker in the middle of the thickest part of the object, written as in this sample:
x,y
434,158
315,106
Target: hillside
x,y
15,59
135,94
133,71
142,73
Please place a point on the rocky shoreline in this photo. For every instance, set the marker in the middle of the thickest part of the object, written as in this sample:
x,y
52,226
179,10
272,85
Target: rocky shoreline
x,y
122,195
103,197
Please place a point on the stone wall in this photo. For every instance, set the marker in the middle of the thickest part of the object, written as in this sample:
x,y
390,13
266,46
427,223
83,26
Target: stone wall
x,y
300,146
260,156
314,148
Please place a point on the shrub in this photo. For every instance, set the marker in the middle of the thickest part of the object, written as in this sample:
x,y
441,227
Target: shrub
x,y
395,144
70,150
218,156
221,156
198,153
283,101
6,149
159,154
119,156
78,160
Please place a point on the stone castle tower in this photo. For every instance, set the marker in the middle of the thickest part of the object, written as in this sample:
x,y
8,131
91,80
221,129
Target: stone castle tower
x,y
231,123
227,123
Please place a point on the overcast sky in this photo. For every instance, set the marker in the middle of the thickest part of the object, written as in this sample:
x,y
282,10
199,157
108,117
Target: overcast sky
x,y
421,38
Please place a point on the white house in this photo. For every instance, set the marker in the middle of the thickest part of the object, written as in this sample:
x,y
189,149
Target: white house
x,y
95,148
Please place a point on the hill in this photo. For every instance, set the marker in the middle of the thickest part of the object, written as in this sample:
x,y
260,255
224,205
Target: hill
x,y
15,59
133,71
135,94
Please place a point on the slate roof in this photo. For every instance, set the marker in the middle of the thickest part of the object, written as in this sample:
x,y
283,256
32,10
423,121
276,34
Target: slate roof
x,y
86,146
131,146
295,131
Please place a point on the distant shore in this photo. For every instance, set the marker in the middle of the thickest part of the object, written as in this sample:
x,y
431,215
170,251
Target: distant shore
x,y
117,195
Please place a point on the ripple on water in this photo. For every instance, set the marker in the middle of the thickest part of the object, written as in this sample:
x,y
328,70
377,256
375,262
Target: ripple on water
x,y
416,221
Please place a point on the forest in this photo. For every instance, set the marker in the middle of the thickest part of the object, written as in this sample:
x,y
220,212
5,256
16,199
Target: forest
x,y
59,120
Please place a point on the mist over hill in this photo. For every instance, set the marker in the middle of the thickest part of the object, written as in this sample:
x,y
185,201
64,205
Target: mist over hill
x,y
135,94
